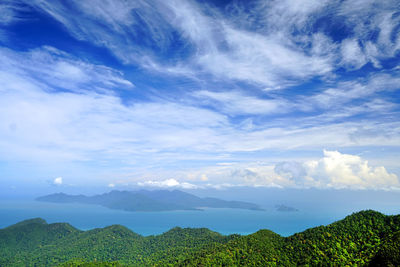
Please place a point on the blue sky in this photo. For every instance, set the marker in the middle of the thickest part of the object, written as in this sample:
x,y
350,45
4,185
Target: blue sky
x,y
186,94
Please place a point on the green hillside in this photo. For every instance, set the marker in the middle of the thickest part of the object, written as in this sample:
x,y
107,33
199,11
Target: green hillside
x,y
361,239
353,241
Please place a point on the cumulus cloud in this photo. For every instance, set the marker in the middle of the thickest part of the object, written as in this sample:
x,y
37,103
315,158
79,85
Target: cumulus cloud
x,y
58,181
252,174
169,183
255,176
292,170
337,170
334,170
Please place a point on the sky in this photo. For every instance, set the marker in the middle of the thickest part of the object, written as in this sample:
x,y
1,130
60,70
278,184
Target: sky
x,y
199,94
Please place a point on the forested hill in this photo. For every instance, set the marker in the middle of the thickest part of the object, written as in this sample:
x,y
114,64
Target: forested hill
x,y
366,238
145,200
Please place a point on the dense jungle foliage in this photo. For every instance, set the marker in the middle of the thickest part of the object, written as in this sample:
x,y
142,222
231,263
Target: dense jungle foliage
x,y
366,238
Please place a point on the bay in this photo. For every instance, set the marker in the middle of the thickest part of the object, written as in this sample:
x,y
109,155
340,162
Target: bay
x,y
224,221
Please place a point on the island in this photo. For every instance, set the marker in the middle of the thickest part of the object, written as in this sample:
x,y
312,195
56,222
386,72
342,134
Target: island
x,y
284,208
147,200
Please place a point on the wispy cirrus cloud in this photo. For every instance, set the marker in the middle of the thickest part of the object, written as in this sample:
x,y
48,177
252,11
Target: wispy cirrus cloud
x,y
90,121
282,44
236,103
86,116
346,91
125,28
382,20
218,45
301,21
264,76
58,70
10,12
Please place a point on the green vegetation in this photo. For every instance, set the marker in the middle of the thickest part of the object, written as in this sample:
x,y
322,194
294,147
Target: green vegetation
x,y
366,238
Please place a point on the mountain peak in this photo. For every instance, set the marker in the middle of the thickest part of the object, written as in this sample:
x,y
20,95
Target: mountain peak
x,y
30,221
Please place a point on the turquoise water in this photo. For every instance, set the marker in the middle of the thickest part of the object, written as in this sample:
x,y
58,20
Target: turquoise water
x,y
316,207
225,221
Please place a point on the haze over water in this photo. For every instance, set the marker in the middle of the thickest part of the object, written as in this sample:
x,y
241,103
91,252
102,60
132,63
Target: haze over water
x,y
311,213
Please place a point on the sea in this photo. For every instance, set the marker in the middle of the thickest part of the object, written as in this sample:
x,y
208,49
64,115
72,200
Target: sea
x,y
224,221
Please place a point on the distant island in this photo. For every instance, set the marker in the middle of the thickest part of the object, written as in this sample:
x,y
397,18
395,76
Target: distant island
x,y
366,238
145,200
284,208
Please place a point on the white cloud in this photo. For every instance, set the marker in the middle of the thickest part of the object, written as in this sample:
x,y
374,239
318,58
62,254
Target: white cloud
x,y
291,170
371,17
44,125
337,170
271,44
277,60
57,69
111,185
252,174
204,178
54,106
87,121
262,60
231,53
287,13
40,124
346,91
10,12
234,103
352,55
257,175
169,183
188,17
334,170
58,181
122,22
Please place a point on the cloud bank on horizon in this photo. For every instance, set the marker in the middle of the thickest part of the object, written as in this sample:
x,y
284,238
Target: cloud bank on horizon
x,y
334,170
192,94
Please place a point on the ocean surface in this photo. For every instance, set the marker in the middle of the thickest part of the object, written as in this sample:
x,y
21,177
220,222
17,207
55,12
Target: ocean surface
x,y
224,221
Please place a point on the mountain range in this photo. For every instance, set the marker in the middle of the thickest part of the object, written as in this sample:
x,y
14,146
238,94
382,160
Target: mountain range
x,y
366,238
145,200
